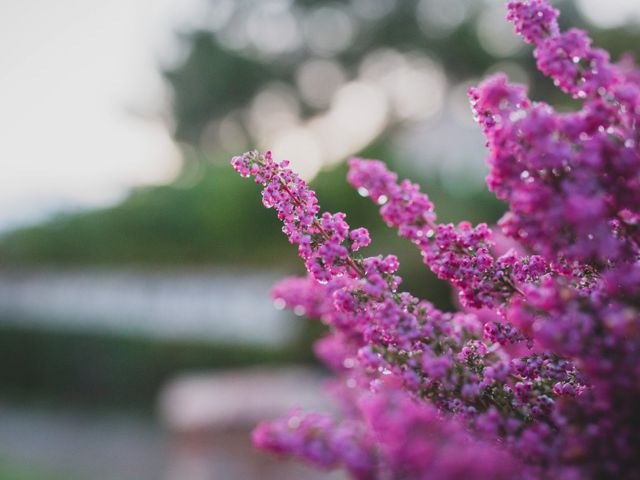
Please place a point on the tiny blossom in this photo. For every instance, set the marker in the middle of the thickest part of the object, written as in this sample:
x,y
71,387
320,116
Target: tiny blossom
x,y
504,334
336,352
294,293
435,367
360,238
534,20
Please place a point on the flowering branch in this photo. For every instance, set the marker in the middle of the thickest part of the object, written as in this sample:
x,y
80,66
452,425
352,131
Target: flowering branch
x,y
416,382
461,255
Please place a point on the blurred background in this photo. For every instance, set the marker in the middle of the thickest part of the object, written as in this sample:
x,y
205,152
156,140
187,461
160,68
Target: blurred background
x,y
137,336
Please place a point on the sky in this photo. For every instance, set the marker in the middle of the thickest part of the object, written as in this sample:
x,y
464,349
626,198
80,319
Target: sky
x,y
84,113
83,109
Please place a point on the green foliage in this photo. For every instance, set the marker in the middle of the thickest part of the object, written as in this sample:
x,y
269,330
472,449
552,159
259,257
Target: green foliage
x,y
14,471
120,371
211,82
157,225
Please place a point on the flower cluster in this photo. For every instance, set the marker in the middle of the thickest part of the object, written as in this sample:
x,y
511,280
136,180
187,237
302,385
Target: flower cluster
x,y
538,378
574,174
460,254
379,332
390,436
323,242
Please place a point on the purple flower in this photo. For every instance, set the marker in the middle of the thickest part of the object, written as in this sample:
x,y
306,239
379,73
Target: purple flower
x,y
432,394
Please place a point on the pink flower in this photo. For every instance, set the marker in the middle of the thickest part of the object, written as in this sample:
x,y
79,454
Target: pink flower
x,y
432,394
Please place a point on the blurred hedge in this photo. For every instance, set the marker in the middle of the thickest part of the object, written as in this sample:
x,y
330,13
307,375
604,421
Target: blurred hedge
x,y
116,371
10,470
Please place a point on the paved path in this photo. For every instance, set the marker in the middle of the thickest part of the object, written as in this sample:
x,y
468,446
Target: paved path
x,y
83,445
100,446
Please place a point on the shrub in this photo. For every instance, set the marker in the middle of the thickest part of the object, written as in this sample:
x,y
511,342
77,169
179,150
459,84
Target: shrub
x,y
538,375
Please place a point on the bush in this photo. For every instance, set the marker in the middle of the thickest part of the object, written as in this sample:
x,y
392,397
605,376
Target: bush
x,y
537,376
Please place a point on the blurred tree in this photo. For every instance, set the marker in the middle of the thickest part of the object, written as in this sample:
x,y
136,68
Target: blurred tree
x,y
228,63
240,49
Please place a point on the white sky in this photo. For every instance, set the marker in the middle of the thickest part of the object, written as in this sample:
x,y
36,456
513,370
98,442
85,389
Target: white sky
x,y
612,13
72,74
